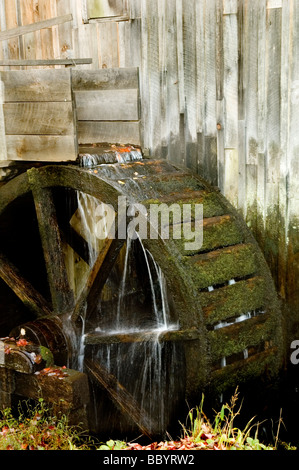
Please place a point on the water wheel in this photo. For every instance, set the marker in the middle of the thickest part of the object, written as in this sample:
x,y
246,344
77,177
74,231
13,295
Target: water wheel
x,y
220,297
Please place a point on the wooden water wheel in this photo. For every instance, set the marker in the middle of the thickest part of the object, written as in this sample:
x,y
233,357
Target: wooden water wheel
x,y
221,295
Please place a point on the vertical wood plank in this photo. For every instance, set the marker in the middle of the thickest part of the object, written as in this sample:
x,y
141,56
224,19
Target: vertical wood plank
x,y
172,83
153,71
4,44
12,22
144,81
273,57
293,164
108,40
3,150
87,46
250,96
29,13
65,30
230,91
286,60
179,20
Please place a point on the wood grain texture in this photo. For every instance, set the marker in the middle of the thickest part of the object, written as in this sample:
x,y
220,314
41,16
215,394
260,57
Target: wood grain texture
x,y
111,132
43,118
42,62
21,30
37,85
105,79
41,148
108,105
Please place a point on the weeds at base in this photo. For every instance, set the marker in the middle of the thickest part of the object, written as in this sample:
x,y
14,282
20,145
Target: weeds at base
x,y
37,428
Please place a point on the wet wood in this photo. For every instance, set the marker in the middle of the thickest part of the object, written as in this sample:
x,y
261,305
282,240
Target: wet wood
x,y
62,296
256,359
23,289
25,359
123,400
192,306
93,275
219,232
232,300
142,336
13,189
3,155
243,334
99,276
72,390
225,264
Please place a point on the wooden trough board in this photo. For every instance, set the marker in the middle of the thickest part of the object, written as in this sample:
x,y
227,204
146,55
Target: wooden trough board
x,y
38,115
107,105
45,114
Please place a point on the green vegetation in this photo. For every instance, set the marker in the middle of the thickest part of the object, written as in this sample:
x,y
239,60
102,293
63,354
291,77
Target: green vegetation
x,y
37,428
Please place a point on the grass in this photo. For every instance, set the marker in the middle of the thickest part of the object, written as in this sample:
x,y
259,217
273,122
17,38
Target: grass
x,y
38,428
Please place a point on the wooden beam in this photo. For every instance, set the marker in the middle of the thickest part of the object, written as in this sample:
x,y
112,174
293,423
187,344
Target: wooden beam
x,y
42,63
30,28
22,288
141,336
61,293
99,275
120,397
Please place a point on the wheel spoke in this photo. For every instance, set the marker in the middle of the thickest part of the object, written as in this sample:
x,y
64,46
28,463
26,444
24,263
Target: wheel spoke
x,y
120,397
98,276
22,288
61,293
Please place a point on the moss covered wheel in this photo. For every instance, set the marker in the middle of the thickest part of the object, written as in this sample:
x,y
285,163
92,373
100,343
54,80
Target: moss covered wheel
x,y
221,295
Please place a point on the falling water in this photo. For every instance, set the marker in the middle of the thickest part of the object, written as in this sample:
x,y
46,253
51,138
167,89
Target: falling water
x,y
84,223
123,285
146,369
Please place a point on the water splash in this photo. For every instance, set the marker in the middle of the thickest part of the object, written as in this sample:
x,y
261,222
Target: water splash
x,y
119,155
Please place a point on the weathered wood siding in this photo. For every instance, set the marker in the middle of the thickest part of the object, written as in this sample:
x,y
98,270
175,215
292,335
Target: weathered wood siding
x,y
219,84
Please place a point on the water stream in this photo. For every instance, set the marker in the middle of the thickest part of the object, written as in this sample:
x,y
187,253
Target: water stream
x,y
134,299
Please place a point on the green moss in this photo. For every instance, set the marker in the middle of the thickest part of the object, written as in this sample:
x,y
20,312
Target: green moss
x,y
47,356
223,343
220,233
264,368
229,263
230,301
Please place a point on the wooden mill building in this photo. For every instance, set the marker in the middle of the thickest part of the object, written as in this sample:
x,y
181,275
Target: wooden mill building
x,y
212,85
